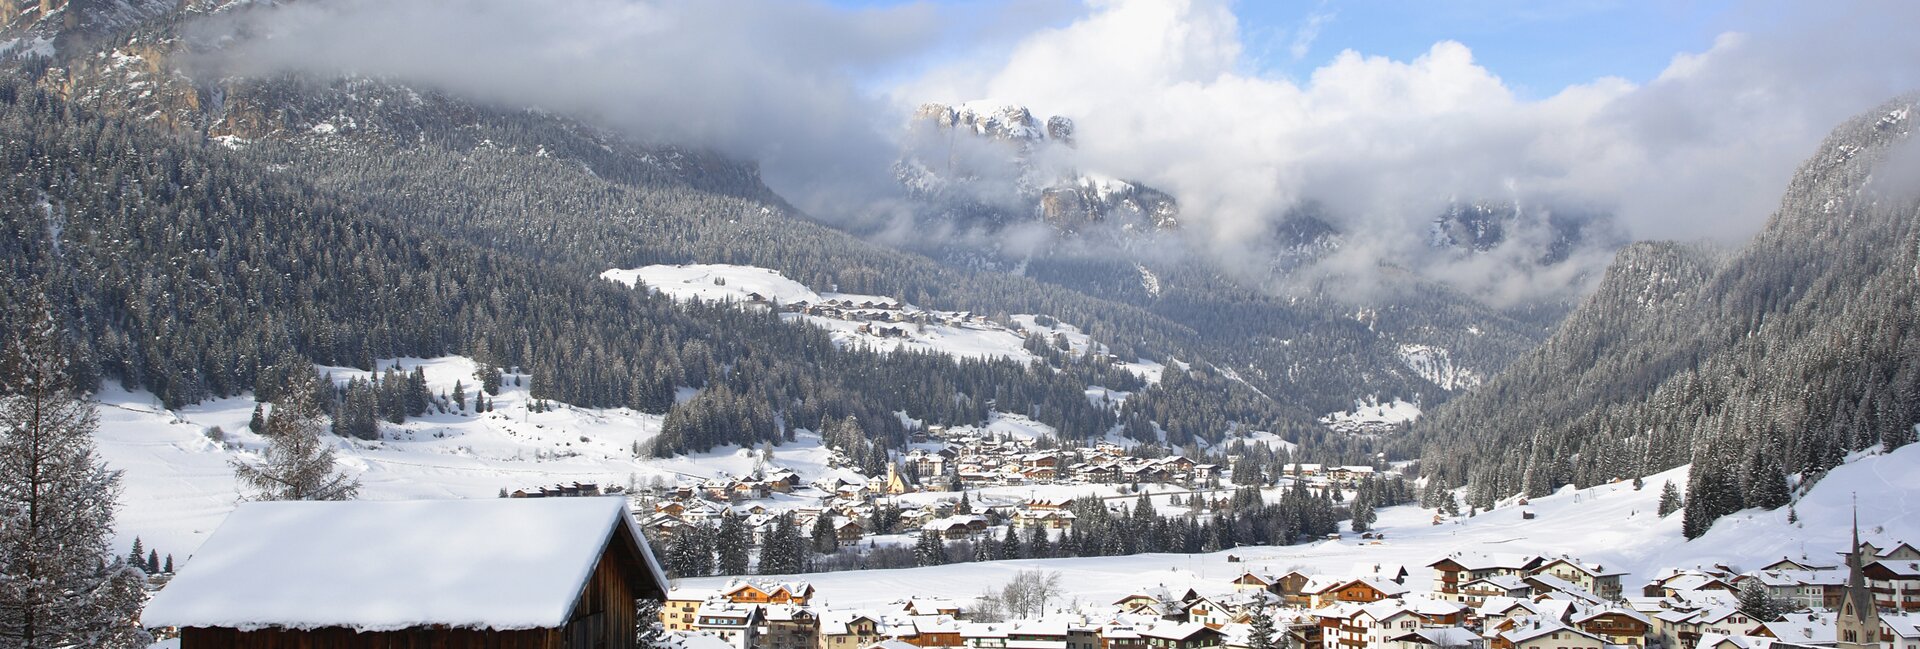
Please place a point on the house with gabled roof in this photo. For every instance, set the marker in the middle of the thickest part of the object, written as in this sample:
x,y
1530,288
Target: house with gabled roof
x,y
459,574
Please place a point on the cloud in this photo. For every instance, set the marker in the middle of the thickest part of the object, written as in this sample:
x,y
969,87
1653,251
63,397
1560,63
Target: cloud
x,y
1309,31
774,82
1162,94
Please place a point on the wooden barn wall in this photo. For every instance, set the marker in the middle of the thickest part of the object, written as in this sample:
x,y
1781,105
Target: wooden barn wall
x,y
342,638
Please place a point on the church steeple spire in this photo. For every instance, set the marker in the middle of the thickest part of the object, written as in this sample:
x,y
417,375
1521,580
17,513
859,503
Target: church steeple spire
x,y
1858,624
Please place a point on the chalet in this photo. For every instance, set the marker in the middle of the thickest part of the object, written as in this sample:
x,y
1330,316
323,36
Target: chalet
x,y
1795,564
1457,569
746,592
788,626
576,592
1474,593
958,526
1206,611
1142,599
736,624
1895,584
1803,629
842,630
1594,578
1359,591
1547,585
681,610
1052,633
1121,636
849,532
1437,638
1618,626
1900,631
1543,633
930,606
934,631
1189,635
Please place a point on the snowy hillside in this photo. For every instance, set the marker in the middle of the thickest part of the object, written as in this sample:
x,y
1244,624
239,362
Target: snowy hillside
x,y
179,483
1369,415
873,321
1613,525
1436,364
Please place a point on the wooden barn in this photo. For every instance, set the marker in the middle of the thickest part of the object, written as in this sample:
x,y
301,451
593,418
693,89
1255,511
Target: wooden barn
x,y
496,573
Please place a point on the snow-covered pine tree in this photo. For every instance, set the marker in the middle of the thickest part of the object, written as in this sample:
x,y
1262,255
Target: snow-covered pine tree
x,y
60,585
1260,634
1669,499
825,538
137,557
297,463
1766,482
730,546
929,551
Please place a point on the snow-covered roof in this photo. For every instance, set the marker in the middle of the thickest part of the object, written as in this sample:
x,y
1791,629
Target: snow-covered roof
x,y
501,564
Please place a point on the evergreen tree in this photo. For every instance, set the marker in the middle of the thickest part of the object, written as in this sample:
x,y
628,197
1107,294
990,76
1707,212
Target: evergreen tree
x,y
1009,545
964,507
152,564
1758,603
730,546
929,550
783,552
258,423
1766,482
1261,631
136,557
60,585
826,539
297,463
690,554
168,568
1669,500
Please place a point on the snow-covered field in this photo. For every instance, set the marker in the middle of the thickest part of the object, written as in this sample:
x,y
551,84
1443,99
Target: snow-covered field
x,y
1370,415
179,483
1613,525
179,486
952,333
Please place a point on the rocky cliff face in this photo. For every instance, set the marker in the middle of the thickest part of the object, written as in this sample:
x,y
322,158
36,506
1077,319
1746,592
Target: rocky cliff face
x,y
1000,165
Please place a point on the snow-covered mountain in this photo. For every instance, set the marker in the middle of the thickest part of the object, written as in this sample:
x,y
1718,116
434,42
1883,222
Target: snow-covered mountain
x,y
998,164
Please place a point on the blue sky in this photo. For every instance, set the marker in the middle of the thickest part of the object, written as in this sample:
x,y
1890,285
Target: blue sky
x,y
1536,46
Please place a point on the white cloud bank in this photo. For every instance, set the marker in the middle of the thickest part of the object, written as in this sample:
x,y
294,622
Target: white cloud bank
x,y
1162,93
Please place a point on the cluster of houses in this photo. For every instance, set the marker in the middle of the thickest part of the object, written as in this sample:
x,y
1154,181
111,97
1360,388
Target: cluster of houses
x,y
579,592
1477,601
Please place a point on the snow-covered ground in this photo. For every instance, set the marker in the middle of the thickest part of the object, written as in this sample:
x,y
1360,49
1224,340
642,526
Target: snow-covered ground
x,y
1370,415
1436,364
179,483
179,486
1613,525
950,332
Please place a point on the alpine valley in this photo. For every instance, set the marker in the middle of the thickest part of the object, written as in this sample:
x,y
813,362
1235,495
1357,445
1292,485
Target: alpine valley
x,y
1025,348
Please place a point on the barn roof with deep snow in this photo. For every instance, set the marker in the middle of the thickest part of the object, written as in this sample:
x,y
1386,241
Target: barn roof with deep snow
x,y
498,564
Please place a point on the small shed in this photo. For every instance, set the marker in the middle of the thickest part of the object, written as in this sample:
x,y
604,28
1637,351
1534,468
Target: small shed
x,y
548,573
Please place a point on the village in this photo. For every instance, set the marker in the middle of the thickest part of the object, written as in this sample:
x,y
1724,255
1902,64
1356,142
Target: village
x,y
1477,601
957,484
